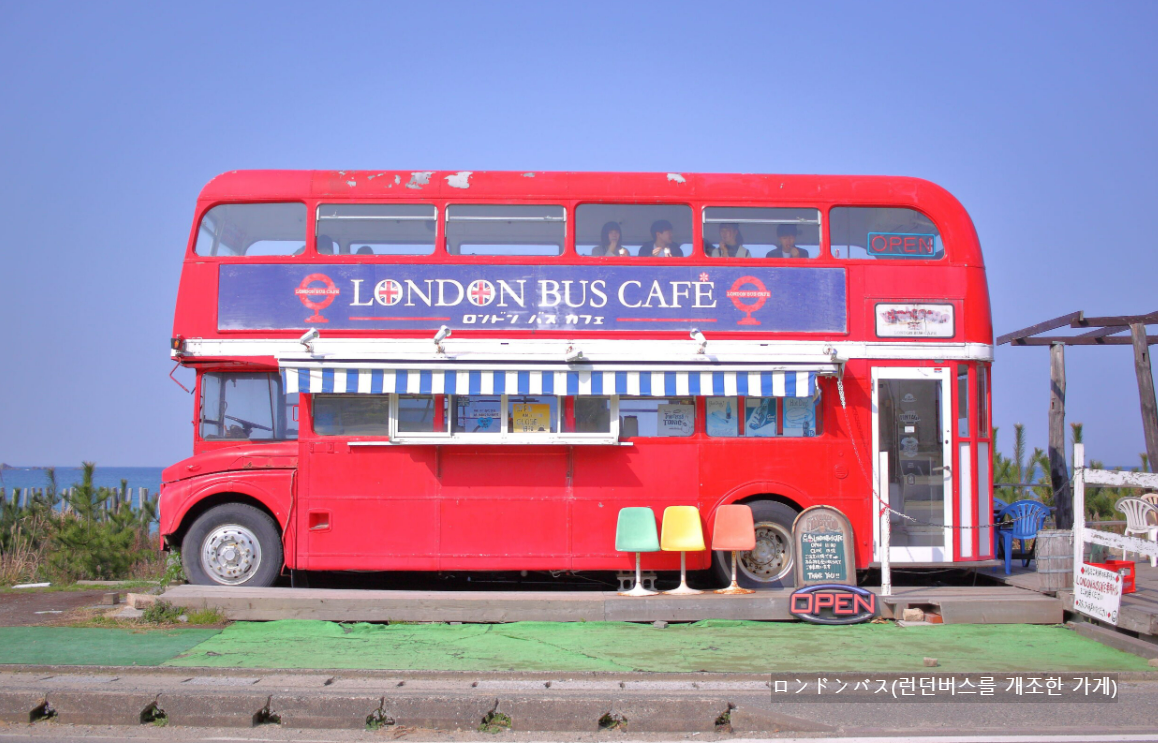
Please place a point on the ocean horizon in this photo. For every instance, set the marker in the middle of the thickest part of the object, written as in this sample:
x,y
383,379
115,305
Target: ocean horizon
x,y
66,477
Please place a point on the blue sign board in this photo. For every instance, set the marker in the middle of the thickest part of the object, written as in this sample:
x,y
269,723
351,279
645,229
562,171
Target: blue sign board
x,y
560,298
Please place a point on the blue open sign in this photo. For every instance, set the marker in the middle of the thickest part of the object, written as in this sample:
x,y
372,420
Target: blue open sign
x,y
903,245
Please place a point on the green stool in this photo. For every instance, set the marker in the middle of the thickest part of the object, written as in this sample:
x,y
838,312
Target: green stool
x,y
636,532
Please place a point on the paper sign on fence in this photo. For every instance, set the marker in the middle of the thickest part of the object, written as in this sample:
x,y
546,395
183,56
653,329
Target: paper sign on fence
x,y
1098,593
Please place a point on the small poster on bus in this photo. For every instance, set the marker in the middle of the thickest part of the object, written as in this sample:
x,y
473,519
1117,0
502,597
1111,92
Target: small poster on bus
x,y
676,420
760,416
478,415
799,416
723,417
530,417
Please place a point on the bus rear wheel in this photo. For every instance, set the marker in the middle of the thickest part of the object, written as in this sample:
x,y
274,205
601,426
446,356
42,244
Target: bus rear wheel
x,y
232,545
772,564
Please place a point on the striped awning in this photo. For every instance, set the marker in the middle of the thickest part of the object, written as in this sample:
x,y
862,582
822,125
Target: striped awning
x,y
642,383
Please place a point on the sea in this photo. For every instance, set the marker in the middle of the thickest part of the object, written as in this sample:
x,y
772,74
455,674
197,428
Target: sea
x,y
67,477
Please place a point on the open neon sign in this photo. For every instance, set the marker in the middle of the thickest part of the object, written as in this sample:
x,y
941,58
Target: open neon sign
x,y
902,245
832,603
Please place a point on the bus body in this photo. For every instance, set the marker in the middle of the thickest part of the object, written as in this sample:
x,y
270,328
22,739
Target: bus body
x,y
412,370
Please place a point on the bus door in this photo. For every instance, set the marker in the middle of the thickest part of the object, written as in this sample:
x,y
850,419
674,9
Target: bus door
x,y
911,425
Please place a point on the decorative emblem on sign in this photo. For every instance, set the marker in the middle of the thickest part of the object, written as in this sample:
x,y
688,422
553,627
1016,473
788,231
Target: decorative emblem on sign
x,y
833,604
480,293
327,291
738,293
388,292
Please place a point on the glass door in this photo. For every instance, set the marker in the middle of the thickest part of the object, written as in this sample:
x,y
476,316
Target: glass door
x,y
911,425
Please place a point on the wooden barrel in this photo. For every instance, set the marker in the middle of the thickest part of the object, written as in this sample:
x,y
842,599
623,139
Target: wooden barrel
x,y
1054,558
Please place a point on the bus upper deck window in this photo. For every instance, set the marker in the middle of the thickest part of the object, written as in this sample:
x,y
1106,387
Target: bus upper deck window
x,y
515,230
252,230
870,232
761,232
376,229
633,230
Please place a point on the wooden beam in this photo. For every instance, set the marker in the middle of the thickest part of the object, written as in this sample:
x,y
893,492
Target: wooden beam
x,y
1093,322
1080,340
1146,391
1103,332
1041,327
1058,471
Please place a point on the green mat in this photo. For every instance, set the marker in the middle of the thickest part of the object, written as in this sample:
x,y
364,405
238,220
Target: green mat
x,y
713,645
96,646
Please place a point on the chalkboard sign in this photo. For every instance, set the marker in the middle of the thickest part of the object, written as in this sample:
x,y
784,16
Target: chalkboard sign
x,y
824,548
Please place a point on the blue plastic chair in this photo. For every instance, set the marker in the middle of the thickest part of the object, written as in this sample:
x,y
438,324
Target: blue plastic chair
x,y
1028,517
998,504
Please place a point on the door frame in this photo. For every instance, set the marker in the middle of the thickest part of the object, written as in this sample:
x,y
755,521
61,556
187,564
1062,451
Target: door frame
x,y
946,552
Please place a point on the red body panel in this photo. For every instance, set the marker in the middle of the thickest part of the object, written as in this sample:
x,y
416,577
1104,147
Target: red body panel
x,y
444,507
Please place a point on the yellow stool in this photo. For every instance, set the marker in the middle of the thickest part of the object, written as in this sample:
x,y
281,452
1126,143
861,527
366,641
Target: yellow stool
x,y
682,532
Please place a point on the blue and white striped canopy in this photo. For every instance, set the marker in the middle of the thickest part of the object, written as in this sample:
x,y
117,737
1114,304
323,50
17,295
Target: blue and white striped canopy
x,y
643,383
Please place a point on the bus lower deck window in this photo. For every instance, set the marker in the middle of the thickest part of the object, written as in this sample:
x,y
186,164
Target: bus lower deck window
x,y
351,415
592,415
761,417
422,413
532,414
650,416
478,414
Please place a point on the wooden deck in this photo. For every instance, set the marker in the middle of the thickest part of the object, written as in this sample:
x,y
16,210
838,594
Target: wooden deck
x,y
1138,612
957,605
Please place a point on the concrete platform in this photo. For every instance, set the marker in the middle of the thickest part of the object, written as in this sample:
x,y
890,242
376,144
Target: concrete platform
x,y
958,605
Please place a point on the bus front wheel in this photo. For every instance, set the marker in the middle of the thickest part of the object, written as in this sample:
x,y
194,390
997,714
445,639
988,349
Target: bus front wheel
x,y
232,545
772,563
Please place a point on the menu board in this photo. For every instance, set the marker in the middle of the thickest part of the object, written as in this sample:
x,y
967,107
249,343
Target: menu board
x,y
760,416
824,547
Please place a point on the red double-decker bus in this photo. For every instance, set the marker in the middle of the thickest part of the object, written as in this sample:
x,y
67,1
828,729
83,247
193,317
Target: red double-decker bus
x,y
475,371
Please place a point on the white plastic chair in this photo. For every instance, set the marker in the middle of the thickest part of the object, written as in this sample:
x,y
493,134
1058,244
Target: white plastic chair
x,y
1138,513
1152,499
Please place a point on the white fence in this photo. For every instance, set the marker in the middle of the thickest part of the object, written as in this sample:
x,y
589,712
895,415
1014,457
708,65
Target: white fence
x,y
1082,534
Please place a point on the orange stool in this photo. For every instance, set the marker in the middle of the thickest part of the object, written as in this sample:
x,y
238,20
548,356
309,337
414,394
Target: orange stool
x,y
734,530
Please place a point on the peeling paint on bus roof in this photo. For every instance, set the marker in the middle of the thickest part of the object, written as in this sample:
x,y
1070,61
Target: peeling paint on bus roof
x,y
676,177
397,179
528,175
419,178
461,179
351,183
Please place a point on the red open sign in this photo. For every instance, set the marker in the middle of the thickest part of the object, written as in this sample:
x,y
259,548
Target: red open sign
x,y
833,604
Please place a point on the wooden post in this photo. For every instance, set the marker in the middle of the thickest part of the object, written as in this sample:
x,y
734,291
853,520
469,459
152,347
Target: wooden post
x,y
1079,507
1058,472
1146,392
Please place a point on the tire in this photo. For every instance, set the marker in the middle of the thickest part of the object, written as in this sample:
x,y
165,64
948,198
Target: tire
x,y
772,564
232,545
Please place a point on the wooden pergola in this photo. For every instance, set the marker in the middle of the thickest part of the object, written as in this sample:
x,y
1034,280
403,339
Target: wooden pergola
x,y
1100,331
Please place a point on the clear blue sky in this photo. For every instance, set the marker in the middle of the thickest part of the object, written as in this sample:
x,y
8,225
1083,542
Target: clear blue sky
x,y
1040,117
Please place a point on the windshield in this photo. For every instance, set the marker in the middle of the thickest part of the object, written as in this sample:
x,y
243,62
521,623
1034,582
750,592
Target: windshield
x,y
247,407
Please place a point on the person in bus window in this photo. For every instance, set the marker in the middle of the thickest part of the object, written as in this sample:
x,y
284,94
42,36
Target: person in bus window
x,y
325,245
610,241
365,250
786,236
662,243
731,243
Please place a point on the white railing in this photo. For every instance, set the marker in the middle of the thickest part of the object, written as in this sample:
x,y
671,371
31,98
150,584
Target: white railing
x,y
1083,534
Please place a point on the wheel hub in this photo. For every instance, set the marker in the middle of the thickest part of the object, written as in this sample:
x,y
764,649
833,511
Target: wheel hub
x,y
231,554
772,558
